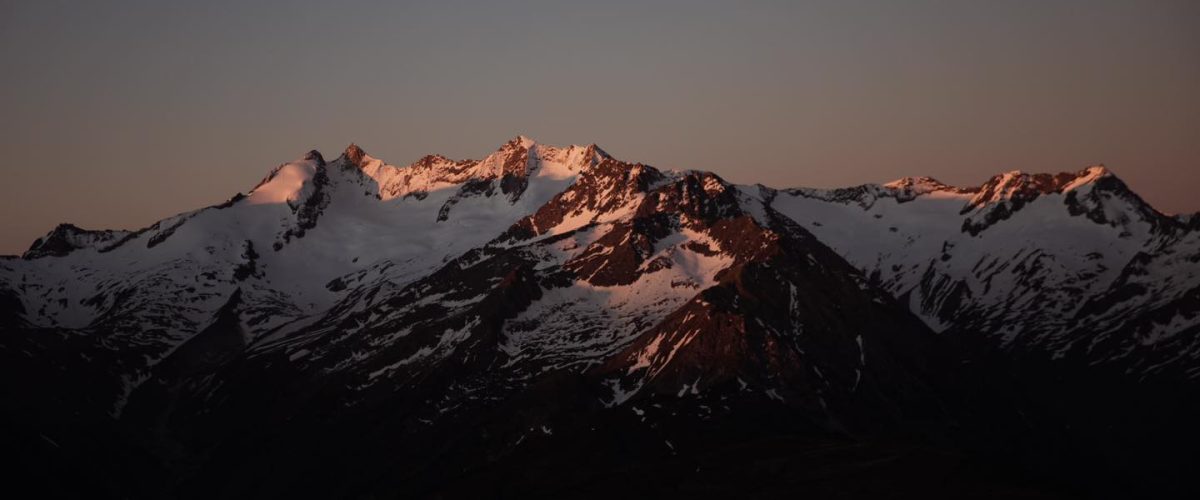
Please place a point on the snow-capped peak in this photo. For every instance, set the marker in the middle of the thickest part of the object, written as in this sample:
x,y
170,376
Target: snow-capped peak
x,y
919,185
518,158
511,159
1088,176
1023,186
66,238
525,157
285,182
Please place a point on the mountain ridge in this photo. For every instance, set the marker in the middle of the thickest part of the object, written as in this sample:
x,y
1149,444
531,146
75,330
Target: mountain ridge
x,y
542,290
1006,186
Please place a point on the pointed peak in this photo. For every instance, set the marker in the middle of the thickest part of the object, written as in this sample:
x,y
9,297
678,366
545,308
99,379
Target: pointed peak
x,y
1094,172
1059,181
599,151
1018,185
354,154
66,238
431,160
68,228
314,156
520,141
918,184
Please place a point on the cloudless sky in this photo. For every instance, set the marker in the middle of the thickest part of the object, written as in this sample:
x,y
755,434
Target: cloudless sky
x,y
116,114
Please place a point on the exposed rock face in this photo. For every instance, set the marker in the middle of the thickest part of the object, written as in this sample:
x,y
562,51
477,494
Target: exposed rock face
x,y
452,327
67,238
354,155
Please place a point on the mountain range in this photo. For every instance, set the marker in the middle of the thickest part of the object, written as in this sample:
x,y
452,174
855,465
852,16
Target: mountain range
x,y
553,321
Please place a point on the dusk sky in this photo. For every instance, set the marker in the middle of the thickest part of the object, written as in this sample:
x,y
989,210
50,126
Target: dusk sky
x,y
117,114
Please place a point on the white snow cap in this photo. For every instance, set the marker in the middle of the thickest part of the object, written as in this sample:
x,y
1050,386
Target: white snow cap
x,y
285,182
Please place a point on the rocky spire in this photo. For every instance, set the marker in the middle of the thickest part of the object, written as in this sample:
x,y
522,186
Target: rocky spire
x,y
315,155
354,154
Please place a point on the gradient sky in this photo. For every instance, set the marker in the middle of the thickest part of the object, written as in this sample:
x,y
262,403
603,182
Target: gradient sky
x,y
116,114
